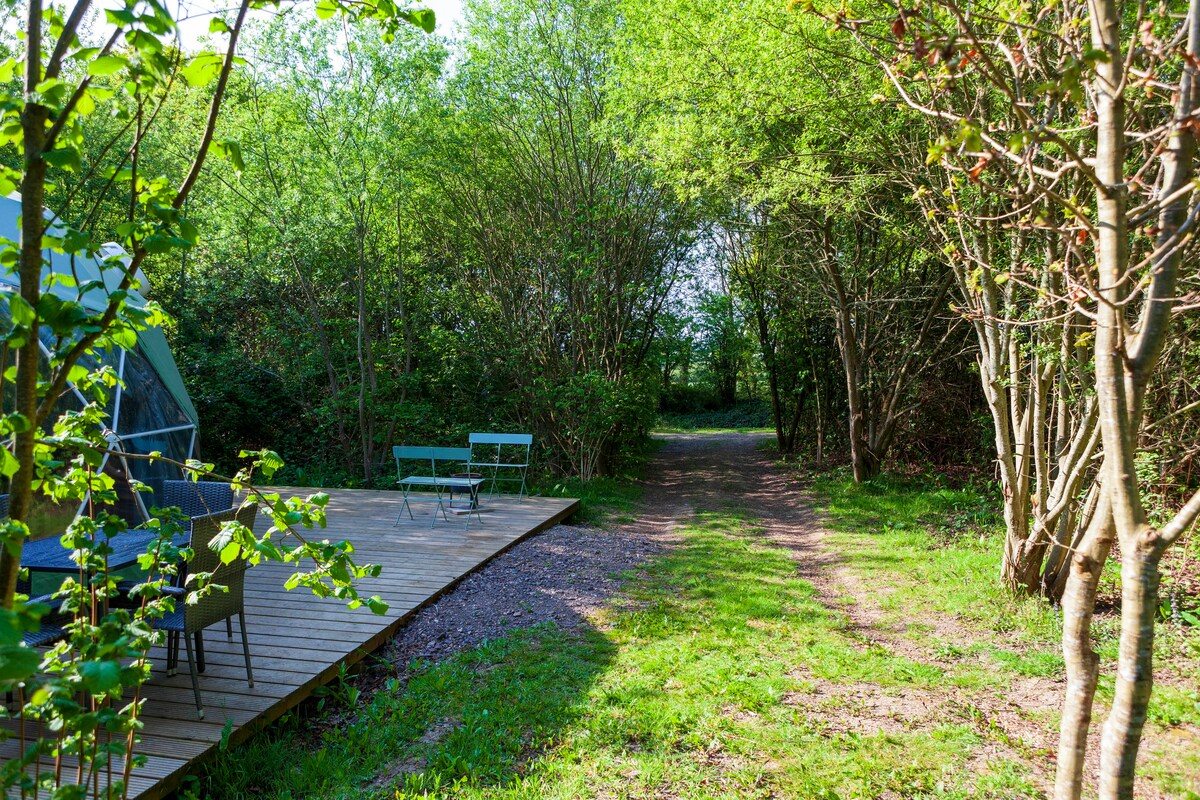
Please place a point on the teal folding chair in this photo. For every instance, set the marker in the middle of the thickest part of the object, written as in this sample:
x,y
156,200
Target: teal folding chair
x,y
511,455
441,485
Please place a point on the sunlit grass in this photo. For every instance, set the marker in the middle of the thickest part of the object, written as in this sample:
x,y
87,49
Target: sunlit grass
x,y
936,553
601,500
683,688
935,548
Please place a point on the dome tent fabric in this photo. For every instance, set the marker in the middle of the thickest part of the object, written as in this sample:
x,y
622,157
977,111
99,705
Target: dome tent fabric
x,y
149,409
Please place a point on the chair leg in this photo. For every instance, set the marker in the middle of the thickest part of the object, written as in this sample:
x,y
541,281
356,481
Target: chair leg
x,y
405,507
187,640
229,628
246,648
172,653
199,651
440,507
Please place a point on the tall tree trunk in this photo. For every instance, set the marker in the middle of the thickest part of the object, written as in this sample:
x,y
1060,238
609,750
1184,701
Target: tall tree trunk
x,y
1125,360
1082,663
33,183
366,365
863,461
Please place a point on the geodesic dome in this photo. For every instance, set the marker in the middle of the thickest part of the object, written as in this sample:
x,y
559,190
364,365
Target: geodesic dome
x,y
149,410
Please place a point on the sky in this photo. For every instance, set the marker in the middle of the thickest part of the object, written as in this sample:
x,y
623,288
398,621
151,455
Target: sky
x,y
194,16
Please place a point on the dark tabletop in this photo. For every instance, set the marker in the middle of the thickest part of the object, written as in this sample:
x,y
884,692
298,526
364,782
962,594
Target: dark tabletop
x,y
48,555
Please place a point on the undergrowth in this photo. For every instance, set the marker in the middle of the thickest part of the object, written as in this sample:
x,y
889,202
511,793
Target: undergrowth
x,y
743,417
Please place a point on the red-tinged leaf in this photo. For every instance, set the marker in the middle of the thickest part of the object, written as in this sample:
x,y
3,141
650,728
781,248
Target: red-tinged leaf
x,y
899,27
980,166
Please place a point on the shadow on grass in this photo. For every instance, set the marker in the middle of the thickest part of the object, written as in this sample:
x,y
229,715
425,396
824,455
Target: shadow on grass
x,y
683,682
472,720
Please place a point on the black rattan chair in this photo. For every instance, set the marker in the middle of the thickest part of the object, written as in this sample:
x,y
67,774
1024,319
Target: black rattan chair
x,y
188,620
197,498
194,499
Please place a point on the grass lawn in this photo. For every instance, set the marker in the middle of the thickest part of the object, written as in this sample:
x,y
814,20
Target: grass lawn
x,y
601,500
933,553
719,673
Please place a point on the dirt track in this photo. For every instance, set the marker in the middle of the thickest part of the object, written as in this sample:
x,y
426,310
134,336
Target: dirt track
x,y
566,573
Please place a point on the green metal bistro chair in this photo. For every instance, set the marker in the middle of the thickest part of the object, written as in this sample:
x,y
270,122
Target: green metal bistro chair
x,y
443,486
511,458
188,620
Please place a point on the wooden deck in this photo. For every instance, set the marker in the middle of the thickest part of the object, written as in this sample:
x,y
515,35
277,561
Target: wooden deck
x,y
299,642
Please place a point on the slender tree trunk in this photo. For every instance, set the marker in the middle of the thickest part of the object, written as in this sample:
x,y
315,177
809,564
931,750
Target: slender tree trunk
x,y
785,443
366,367
1125,360
34,118
1135,672
1082,663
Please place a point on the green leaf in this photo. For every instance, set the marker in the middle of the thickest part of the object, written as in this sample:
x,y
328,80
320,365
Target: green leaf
x,y
233,151
66,158
202,69
9,180
423,18
376,604
326,9
100,676
8,463
17,662
217,25
189,231
120,17
22,313
230,552
11,627
107,65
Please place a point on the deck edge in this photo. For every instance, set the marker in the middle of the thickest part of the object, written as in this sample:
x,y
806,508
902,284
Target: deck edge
x,y
170,783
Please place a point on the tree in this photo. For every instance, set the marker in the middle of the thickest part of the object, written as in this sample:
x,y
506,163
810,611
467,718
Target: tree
x,y
721,344
331,122
574,247
798,347
1074,125
130,74
762,111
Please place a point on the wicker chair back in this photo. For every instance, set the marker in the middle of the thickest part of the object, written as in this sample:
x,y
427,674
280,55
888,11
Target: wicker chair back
x,y
197,498
219,604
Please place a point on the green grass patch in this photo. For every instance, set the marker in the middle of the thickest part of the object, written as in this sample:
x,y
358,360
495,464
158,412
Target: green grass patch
x,y
926,550
934,549
606,499
601,500
663,427
687,687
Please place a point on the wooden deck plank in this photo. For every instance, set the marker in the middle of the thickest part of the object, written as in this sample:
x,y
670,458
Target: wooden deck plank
x,y
298,642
